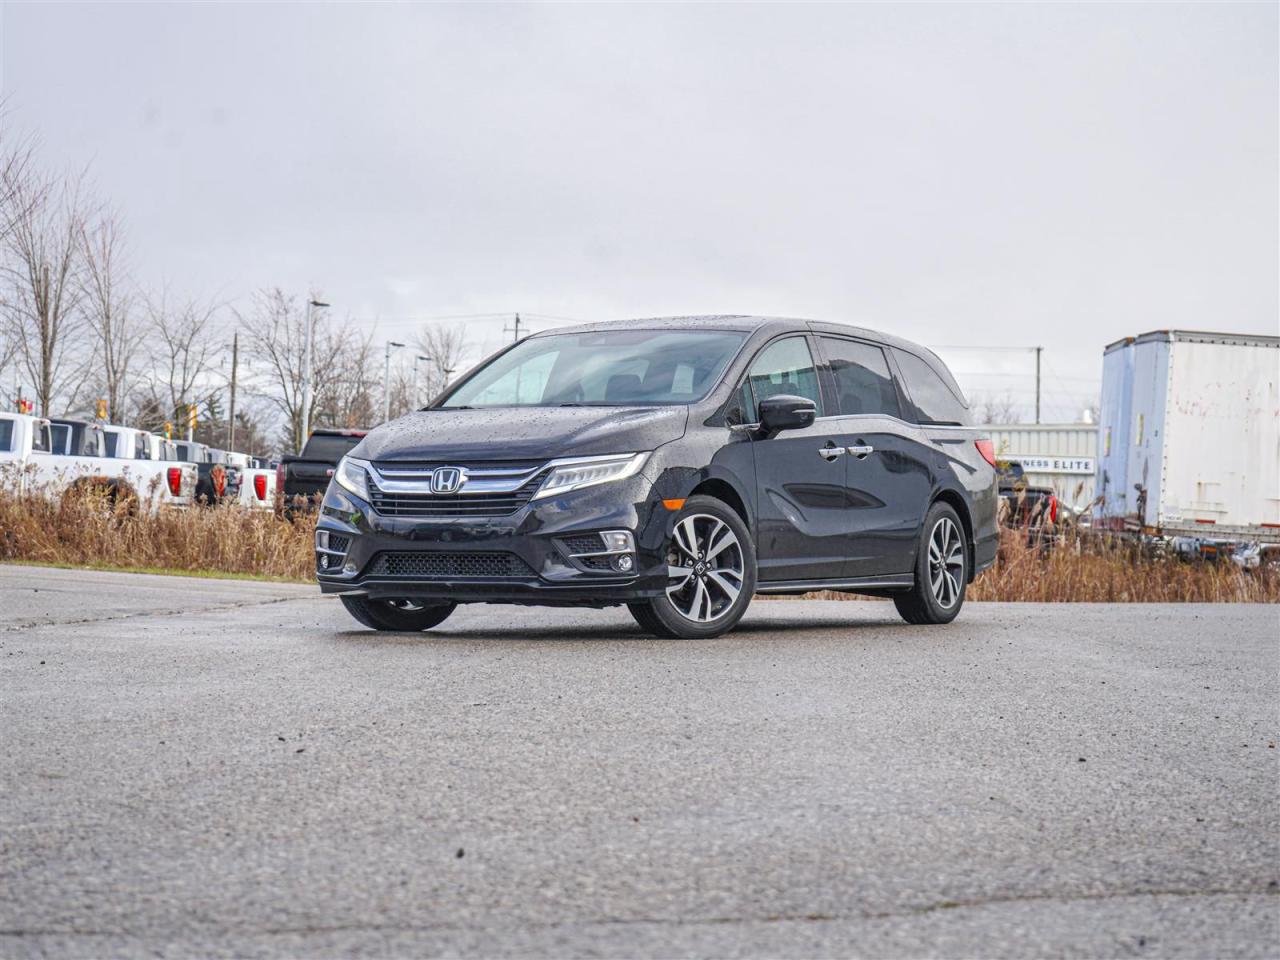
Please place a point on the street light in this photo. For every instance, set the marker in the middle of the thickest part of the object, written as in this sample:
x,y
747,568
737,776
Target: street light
x,y
414,402
386,381
307,338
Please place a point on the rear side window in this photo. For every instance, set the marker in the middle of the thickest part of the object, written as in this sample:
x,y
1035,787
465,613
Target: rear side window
x,y
6,435
140,451
934,400
783,368
40,440
61,438
322,446
863,382
111,440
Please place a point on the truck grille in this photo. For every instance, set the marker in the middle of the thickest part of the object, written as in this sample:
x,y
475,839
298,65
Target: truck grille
x,y
501,504
422,565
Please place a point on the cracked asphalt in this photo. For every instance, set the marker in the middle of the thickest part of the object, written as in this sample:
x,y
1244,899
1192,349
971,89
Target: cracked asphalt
x,y
218,768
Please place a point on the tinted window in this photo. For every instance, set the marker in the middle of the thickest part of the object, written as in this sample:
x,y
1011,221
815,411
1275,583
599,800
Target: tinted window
x,y
61,437
608,368
6,435
784,367
933,399
862,378
111,439
327,447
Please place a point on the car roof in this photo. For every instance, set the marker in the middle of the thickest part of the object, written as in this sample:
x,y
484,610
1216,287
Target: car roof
x,y
745,323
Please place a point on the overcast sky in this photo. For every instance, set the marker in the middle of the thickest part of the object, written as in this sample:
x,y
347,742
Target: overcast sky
x,y
960,175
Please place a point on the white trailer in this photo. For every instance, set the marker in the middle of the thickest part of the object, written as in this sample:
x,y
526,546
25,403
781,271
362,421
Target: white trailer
x,y
1189,436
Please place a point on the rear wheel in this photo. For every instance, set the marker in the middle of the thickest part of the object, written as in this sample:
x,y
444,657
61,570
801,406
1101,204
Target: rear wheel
x,y
711,566
404,616
942,568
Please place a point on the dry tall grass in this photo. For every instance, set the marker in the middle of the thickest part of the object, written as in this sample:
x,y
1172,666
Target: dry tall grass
x,y
83,529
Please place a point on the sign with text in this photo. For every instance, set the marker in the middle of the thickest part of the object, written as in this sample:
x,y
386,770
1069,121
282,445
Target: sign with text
x,y
1072,465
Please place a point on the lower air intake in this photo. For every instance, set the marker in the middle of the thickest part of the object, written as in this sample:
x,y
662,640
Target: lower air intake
x,y
448,566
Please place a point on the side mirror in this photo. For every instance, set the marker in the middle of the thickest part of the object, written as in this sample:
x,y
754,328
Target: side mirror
x,y
786,413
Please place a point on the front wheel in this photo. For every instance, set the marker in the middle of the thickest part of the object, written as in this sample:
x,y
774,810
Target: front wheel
x,y
942,568
403,616
711,574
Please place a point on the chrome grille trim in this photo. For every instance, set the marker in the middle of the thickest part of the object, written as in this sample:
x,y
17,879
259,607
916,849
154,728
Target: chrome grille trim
x,y
478,479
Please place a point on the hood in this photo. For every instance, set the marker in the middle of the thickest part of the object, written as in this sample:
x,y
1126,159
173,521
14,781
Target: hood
x,y
523,433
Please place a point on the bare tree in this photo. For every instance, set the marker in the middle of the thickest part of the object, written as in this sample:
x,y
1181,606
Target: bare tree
x,y
108,308
446,346
182,334
352,396
342,384
991,409
40,314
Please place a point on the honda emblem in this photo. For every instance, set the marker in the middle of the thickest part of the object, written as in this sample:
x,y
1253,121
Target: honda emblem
x,y
447,479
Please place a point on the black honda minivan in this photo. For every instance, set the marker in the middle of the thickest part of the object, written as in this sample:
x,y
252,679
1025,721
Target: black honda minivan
x,y
678,466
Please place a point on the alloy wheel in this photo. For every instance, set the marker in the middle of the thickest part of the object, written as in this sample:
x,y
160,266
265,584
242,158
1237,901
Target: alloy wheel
x,y
946,562
705,568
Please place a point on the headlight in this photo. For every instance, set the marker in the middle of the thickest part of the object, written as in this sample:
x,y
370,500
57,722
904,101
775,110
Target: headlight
x,y
579,472
350,474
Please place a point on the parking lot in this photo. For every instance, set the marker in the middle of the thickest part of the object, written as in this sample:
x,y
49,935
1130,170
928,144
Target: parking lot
x,y
219,767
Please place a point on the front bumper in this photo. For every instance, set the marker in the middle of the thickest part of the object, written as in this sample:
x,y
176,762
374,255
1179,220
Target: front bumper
x,y
453,558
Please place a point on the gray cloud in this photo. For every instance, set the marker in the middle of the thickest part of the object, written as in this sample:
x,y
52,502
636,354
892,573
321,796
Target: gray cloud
x,y
987,174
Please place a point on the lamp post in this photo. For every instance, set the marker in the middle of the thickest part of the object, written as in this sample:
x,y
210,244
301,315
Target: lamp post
x,y
307,338
386,381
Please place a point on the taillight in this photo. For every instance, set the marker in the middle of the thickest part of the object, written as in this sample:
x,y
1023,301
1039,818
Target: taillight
x,y
1053,509
987,449
174,477
260,485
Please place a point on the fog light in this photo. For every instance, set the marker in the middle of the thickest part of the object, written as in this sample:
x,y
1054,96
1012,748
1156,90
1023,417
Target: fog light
x,y
624,563
324,561
618,541
349,569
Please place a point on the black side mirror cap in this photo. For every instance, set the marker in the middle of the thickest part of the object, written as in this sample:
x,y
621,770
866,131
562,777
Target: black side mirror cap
x,y
785,412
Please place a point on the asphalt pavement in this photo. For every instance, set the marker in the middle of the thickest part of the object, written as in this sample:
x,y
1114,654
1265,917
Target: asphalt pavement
x,y
215,768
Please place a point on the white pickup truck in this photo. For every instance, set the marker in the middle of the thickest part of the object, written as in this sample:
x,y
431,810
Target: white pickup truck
x,y
157,481
39,455
257,482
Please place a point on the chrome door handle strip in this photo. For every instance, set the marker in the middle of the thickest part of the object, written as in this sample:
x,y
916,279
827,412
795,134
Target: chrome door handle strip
x,y
830,453
860,452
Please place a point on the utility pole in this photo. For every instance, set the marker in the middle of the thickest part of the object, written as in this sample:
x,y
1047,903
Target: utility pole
x,y
1039,350
515,329
386,381
307,338
413,401
231,416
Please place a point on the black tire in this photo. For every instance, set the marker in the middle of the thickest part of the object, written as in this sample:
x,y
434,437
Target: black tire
x,y
938,593
734,563
390,615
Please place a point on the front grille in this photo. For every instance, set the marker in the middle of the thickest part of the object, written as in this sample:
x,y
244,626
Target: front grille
x,y
339,543
584,543
453,505
596,563
421,565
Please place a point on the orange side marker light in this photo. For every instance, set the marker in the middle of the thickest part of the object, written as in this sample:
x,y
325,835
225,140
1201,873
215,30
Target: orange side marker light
x,y
673,505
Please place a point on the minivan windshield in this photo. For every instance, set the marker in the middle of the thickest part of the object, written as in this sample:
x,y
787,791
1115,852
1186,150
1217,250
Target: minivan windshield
x,y
605,368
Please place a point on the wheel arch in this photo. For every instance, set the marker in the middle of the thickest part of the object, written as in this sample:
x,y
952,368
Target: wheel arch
x,y
725,492
956,502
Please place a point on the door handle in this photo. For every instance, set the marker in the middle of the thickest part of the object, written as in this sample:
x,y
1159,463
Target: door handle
x,y
829,453
860,452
